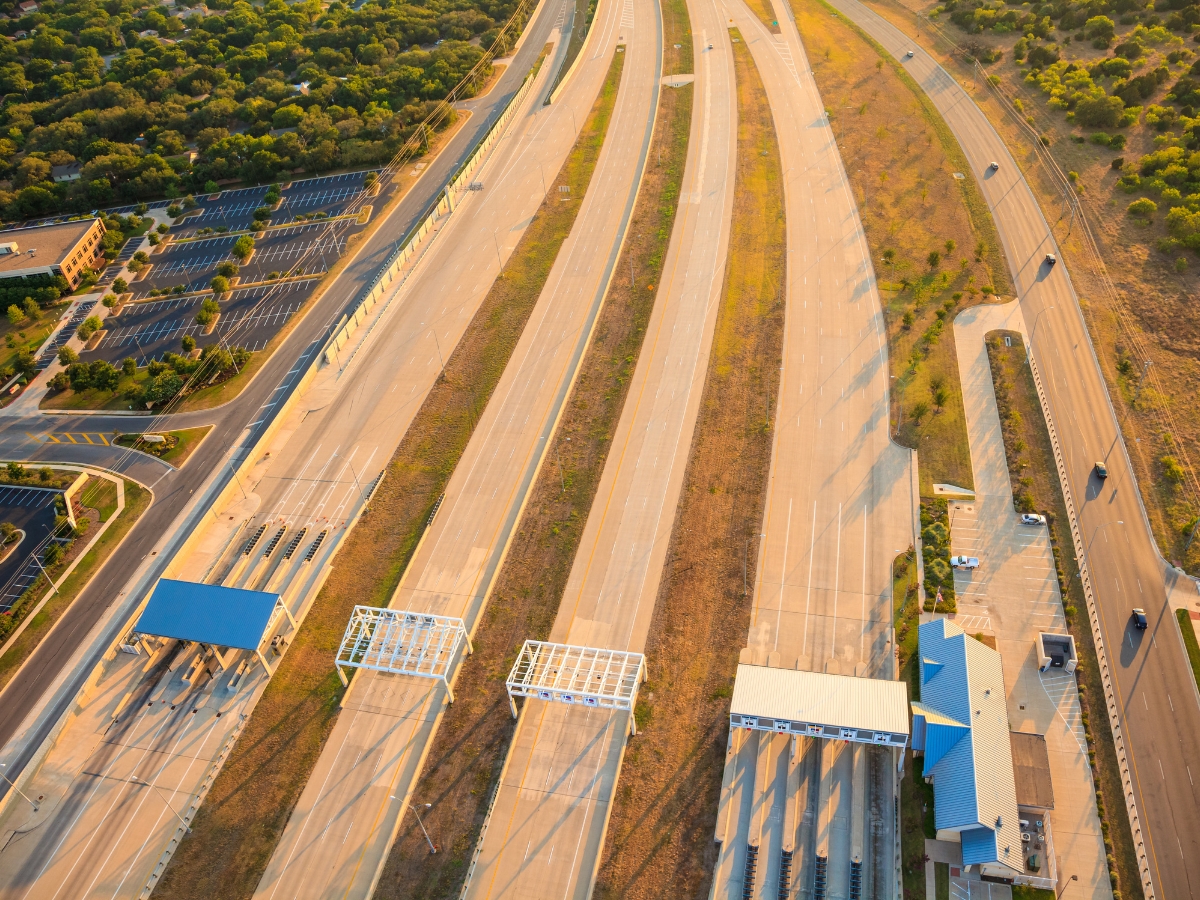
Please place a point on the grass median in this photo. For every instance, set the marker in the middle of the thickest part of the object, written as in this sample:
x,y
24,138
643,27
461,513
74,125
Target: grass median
x,y
244,815
660,835
1036,486
464,764
932,239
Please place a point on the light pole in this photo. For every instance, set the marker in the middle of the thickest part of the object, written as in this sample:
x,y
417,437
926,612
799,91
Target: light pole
x,y
1064,887
17,789
136,780
441,364
1033,330
432,849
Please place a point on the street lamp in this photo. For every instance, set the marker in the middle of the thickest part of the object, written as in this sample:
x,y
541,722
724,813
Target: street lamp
x,y
1033,330
1064,887
141,781
432,849
17,789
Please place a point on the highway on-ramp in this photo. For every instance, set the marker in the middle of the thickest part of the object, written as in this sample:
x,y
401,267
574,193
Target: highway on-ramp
x,y
1157,702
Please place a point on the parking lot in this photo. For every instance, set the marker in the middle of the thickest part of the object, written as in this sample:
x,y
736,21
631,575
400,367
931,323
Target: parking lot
x,y
249,318
32,510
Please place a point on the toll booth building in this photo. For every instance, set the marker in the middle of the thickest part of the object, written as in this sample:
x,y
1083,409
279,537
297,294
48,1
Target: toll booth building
x,y
960,725
220,620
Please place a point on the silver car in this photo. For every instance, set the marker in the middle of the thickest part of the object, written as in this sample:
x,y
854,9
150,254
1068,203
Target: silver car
x,y
1033,519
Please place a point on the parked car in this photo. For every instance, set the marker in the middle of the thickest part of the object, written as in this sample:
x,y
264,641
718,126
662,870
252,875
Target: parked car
x,y
1033,519
1139,619
1101,471
1051,259
964,562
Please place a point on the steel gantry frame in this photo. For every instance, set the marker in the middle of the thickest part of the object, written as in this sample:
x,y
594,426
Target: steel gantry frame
x,y
566,673
402,643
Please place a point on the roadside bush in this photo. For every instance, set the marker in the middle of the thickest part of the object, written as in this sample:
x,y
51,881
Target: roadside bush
x,y
1143,207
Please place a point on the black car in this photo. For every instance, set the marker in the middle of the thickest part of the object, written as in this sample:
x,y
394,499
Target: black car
x,y
1101,471
1139,619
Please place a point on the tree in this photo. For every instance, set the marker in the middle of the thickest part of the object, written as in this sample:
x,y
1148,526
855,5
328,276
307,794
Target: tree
x,y
60,381
211,187
950,245
219,285
104,375
162,388
15,315
66,356
1101,30
919,410
188,343
16,471
129,366
32,310
120,286
243,247
1099,112
940,396
934,259
90,326
45,473
80,376
227,269
9,531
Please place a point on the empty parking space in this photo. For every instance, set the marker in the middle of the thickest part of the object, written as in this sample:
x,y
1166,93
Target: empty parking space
x,y
33,511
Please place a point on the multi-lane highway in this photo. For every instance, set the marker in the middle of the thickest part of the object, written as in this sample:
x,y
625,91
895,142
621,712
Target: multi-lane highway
x,y
361,783
839,508
98,833
54,673
1157,702
548,822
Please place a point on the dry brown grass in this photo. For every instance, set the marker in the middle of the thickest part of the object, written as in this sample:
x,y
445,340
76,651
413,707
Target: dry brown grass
x,y
464,763
660,837
901,160
1155,307
240,823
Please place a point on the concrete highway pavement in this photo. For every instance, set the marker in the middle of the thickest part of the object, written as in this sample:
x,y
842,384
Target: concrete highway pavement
x,y
840,496
49,682
301,495
1158,706
361,784
547,827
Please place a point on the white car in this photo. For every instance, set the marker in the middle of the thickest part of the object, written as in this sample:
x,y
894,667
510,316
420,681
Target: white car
x,y
1033,519
909,54
964,562
995,167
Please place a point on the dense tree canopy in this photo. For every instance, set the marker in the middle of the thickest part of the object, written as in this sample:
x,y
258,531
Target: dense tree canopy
x,y
126,87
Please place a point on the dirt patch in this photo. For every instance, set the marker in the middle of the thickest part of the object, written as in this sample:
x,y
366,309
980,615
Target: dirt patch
x,y
1036,487
931,236
464,763
660,836
240,823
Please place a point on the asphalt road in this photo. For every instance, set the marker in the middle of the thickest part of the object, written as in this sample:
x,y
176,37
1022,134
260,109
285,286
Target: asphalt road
x,y
1158,704
839,498
237,424
551,811
367,770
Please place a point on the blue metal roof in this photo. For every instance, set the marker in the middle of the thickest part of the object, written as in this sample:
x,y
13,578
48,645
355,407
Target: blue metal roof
x,y
207,614
967,749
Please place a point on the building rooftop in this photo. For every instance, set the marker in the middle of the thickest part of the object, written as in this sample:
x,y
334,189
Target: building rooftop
x,y
867,704
51,244
208,614
961,724
1031,770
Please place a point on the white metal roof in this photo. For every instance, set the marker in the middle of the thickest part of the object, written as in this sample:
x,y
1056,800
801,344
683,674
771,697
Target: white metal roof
x,y
569,674
815,697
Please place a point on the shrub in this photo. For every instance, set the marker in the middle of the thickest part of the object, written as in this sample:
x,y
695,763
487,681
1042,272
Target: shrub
x,y
1040,57
211,187
209,310
129,366
173,210
1172,470
227,269
219,284
1099,112
1143,207
1118,163
188,343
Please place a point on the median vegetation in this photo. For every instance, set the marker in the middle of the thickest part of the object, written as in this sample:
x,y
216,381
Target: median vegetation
x,y
660,834
240,823
932,239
